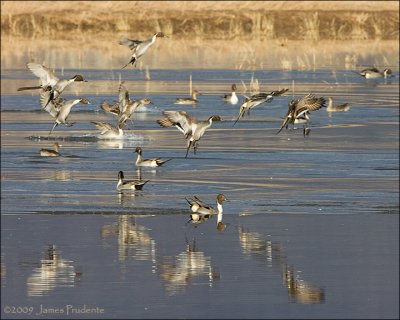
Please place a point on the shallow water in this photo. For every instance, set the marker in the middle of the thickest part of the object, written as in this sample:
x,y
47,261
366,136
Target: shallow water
x,y
312,222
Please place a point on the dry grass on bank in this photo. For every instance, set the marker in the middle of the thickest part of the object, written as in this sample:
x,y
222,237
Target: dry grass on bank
x,y
294,20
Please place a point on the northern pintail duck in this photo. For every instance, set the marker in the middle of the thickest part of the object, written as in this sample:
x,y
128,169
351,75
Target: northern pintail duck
x,y
299,109
201,211
189,126
374,73
49,81
125,107
50,152
109,131
192,100
129,185
257,99
131,108
152,162
338,108
139,47
58,108
232,98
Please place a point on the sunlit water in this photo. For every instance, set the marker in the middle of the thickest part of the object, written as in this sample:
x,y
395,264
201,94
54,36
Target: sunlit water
x,y
312,222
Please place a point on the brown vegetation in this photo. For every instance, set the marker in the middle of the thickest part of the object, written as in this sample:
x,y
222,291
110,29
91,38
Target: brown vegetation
x,y
294,20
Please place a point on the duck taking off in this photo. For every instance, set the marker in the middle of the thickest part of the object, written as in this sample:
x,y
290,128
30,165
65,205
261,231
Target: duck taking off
x,y
192,129
139,47
109,131
49,81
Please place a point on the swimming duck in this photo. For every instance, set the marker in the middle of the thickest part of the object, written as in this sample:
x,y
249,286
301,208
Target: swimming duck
x,y
153,162
201,211
50,152
374,73
338,108
129,185
232,98
192,100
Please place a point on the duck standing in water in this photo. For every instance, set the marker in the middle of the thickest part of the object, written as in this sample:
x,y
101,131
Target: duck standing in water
x,y
374,73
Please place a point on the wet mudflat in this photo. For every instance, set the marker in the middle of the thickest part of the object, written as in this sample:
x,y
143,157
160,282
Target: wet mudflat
x,y
312,222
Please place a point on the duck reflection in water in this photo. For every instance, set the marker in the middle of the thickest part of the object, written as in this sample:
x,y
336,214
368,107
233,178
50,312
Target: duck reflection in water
x,y
299,290
133,239
53,272
189,267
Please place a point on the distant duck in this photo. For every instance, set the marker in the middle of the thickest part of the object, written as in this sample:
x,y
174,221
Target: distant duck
x,y
232,98
129,185
109,131
50,152
201,211
338,108
49,81
189,126
153,162
299,109
374,73
139,47
256,100
192,100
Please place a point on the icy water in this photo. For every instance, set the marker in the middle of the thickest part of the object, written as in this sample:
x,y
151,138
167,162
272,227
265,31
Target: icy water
x,y
312,224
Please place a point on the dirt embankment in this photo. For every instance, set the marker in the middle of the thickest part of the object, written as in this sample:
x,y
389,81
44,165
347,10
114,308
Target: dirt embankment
x,y
293,20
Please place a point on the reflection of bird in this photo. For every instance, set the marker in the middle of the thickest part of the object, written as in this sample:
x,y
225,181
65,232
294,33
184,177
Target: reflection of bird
x,y
301,291
189,126
152,162
58,108
53,272
179,271
201,211
256,100
139,47
192,100
49,81
374,73
129,185
232,98
49,152
109,131
299,110
338,108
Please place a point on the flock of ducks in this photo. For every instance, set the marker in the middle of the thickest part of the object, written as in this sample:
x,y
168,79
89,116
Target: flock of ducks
x,y
51,88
